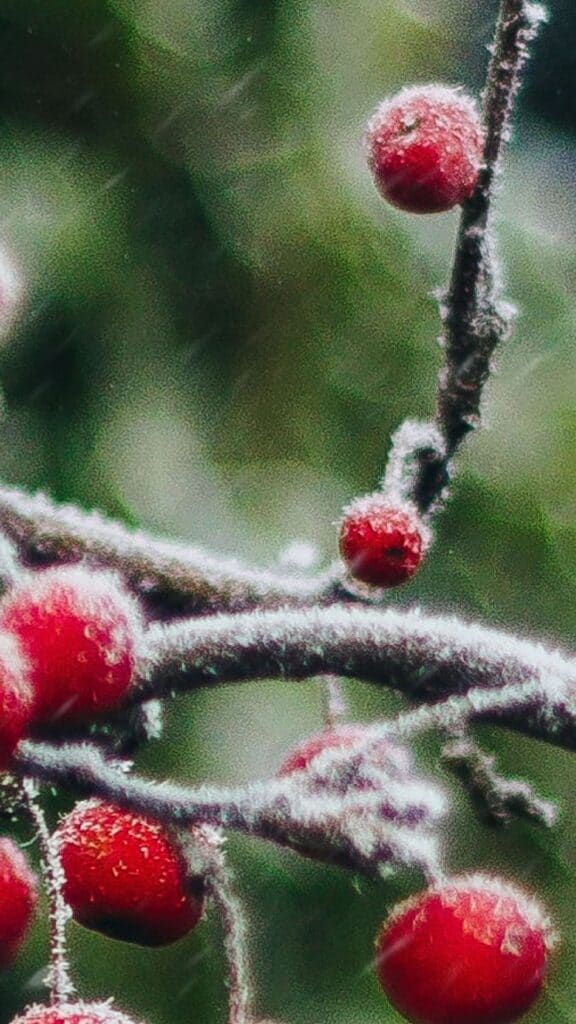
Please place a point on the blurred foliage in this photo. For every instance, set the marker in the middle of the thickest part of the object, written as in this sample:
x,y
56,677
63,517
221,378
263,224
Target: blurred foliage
x,y
223,324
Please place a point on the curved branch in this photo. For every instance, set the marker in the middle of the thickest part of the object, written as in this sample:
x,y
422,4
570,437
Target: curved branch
x,y
168,574
351,830
422,656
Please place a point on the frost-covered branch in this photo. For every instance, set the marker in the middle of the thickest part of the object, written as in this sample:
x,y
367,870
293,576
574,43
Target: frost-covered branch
x,y
60,982
174,576
382,823
474,315
497,798
425,657
349,807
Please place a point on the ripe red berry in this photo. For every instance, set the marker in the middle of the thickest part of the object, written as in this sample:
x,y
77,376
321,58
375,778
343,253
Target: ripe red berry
x,y
73,1013
17,900
382,544
80,633
16,696
124,878
472,949
425,148
340,737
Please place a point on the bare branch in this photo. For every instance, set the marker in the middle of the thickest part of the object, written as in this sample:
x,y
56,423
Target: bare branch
x,y
372,830
425,657
497,799
475,318
165,573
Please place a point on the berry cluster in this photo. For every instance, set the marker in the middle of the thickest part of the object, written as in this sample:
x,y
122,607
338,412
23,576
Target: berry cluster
x,y
125,877
467,950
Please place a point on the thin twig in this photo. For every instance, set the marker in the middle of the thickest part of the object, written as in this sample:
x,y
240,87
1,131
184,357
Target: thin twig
x,y
474,315
204,849
496,798
60,982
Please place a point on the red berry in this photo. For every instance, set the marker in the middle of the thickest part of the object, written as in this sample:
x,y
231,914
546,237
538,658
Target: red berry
x,y
16,696
124,877
17,900
341,737
382,544
73,1013
80,632
425,148
471,950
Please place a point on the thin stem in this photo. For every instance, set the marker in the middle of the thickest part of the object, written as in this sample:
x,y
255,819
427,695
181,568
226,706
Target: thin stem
x,y
61,986
220,887
333,700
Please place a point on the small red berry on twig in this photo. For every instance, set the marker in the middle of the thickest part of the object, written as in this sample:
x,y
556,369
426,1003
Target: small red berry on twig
x,y
340,737
471,950
80,633
381,543
425,148
124,877
18,898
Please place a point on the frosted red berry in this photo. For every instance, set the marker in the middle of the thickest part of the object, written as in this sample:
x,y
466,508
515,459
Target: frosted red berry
x,y
16,696
124,877
74,1013
382,544
80,632
18,896
471,950
425,148
341,737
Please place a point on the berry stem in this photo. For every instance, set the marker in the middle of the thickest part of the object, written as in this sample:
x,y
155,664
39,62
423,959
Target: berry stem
x,y
60,982
208,842
333,700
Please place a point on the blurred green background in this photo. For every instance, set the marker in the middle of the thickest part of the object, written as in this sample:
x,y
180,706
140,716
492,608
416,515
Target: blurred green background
x,y
222,324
